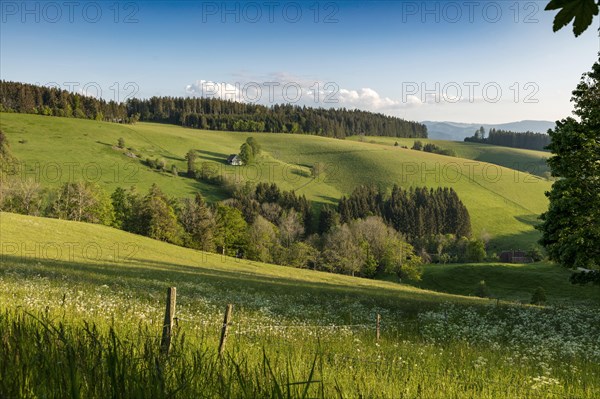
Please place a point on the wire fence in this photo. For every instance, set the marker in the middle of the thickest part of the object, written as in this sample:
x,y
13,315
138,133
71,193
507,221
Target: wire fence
x,y
239,329
242,328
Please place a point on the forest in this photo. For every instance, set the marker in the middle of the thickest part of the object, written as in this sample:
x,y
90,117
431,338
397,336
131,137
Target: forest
x,y
506,138
206,113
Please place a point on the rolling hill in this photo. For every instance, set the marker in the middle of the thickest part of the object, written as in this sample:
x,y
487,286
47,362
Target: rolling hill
x,y
528,161
91,298
503,202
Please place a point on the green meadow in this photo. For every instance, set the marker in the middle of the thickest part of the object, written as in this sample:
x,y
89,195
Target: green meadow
x,y
503,203
527,161
91,299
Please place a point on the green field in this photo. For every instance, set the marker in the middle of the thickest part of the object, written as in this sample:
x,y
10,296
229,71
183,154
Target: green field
x,y
514,282
503,202
91,298
528,161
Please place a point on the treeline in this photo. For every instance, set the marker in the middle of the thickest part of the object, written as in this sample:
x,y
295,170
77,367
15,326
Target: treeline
x,y
217,114
416,212
261,223
50,101
506,138
205,113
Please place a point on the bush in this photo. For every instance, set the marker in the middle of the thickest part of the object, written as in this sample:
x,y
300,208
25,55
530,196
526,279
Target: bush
x,y
475,251
535,253
121,142
482,290
418,145
539,296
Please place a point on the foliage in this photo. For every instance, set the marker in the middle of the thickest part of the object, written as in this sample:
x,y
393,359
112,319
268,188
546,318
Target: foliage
x,y
262,240
157,218
50,101
121,143
417,212
475,251
24,196
198,222
230,234
433,148
341,253
539,296
328,218
418,145
217,114
367,247
507,138
253,143
586,276
352,164
6,156
190,158
582,13
246,154
482,290
82,202
570,227
535,253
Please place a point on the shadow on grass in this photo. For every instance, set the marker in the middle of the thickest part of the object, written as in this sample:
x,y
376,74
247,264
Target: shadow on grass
x,y
216,157
147,276
509,281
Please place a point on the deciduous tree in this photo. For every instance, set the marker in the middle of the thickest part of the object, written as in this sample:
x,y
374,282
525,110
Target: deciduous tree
x,y
571,226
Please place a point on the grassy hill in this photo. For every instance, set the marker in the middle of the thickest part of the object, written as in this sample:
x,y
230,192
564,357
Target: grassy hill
x,y
527,161
503,203
91,298
512,282
93,255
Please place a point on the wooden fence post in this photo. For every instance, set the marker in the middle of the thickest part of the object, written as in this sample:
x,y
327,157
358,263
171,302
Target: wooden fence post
x,y
165,342
226,320
378,326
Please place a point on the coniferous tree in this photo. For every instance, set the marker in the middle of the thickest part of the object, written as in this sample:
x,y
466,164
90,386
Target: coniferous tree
x,y
328,218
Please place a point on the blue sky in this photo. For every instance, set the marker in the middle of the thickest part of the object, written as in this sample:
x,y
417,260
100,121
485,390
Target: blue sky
x,y
467,61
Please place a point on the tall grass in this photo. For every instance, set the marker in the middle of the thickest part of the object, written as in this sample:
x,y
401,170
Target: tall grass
x,y
47,354
90,328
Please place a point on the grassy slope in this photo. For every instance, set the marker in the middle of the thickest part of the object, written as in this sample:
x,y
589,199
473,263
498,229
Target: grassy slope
x,y
47,307
93,254
529,161
501,202
509,281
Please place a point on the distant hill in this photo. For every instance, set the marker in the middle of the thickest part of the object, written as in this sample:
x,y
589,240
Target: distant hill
x,y
458,131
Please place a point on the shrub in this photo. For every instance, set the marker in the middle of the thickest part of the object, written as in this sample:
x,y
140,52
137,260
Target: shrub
x,y
539,296
482,290
418,145
535,253
121,142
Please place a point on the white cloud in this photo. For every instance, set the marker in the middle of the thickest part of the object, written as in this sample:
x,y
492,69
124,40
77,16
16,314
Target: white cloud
x,y
281,87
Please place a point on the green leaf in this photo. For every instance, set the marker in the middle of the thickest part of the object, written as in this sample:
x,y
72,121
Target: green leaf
x,y
556,4
582,11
